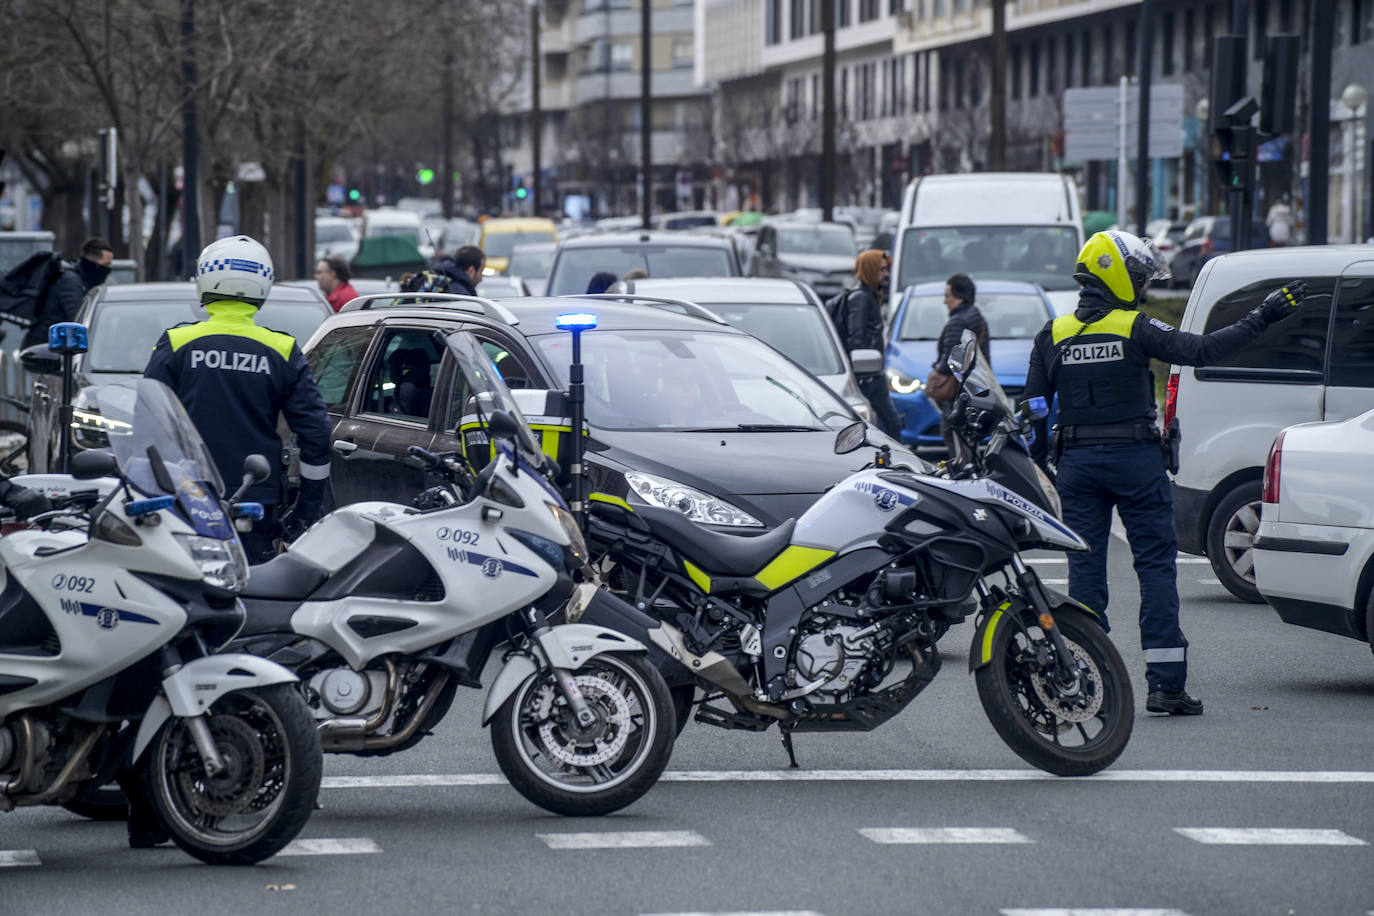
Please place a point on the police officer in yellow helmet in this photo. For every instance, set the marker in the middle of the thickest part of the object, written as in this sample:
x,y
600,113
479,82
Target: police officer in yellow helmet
x,y
1108,448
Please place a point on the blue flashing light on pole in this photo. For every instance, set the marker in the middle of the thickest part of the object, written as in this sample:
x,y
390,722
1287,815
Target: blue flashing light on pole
x,y
576,321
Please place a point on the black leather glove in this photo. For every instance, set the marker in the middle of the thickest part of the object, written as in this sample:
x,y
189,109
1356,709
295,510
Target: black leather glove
x,y
26,503
296,521
1284,301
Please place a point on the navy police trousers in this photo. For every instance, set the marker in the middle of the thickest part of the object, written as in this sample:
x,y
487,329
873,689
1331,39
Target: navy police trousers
x,y
1093,479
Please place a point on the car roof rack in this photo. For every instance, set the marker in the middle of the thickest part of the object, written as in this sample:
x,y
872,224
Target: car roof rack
x,y
690,308
475,304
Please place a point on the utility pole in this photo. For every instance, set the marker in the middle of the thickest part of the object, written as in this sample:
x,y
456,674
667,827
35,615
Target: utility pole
x,y
190,150
646,206
536,115
997,98
828,113
1319,151
446,116
1144,61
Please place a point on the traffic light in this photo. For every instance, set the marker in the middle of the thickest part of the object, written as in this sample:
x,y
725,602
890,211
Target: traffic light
x,y
1236,164
354,195
425,176
521,193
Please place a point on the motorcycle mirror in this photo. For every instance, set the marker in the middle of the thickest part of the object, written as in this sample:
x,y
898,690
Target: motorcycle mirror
x,y
503,425
255,470
851,438
969,357
89,465
39,360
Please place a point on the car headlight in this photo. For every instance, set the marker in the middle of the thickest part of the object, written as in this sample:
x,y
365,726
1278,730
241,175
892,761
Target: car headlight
x,y
577,544
91,430
1052,500
222,563
700,507
902,383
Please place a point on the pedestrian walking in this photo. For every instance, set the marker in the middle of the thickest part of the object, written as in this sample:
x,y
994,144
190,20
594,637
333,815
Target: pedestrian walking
x,y
1109,452
941,386
332,274
235,378
600,283
862,320
69,288
1279,221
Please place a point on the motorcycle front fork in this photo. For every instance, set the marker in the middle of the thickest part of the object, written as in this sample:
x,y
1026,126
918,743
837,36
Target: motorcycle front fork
x,y
1030,586
198,726
537,627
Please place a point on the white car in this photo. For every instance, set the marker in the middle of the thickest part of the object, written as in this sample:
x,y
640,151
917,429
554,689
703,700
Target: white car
x,y
335,236
785,314
1315,541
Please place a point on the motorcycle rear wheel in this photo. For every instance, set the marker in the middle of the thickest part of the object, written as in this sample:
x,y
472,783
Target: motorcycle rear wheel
x,y
1061,735
267,791
586,773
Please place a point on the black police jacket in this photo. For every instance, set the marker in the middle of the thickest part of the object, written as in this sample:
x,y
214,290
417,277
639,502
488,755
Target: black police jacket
x,y
1100,369
235,378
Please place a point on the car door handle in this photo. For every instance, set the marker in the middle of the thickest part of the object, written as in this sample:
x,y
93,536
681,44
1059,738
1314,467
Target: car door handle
x,y
345,446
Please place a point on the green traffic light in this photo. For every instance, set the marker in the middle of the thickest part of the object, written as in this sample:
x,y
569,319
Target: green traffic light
x,y
425,176
354,194
521,193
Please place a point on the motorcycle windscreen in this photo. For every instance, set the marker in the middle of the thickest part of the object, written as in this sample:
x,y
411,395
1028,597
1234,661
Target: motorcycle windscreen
x,y
479,391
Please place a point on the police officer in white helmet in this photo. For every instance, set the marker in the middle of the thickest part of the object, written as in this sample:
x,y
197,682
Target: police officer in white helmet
x,y
235,378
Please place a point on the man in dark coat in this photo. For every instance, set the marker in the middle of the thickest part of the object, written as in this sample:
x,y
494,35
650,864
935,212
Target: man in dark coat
x,y
69,289
963,316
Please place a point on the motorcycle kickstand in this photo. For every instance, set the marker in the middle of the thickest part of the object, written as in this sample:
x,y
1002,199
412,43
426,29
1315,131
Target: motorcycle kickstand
x,y
787,746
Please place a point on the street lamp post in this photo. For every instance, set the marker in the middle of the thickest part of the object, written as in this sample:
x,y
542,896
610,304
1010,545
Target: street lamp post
x,y
1353,98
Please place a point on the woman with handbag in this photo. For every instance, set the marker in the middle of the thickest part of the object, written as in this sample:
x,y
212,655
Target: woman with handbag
x,y
941,386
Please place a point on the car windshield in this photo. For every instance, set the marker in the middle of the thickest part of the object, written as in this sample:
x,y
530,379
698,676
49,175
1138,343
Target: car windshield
x,y
499,244
532,263
336,232
575,267
689,222
798,331
123,334
407,232
159,451
1010,316
817,240
1043,255
694,380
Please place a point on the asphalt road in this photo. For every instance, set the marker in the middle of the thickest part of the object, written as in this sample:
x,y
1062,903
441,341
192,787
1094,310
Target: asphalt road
x,y
1261,806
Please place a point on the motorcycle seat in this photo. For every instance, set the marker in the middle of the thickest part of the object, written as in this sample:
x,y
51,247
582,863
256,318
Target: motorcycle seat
x,y
284,578
719,554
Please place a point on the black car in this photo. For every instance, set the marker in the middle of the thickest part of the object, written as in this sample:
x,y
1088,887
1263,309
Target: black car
x,y
683,410
124,323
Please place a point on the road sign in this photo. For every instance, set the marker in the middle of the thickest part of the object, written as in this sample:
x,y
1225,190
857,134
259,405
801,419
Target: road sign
x,y
1092,127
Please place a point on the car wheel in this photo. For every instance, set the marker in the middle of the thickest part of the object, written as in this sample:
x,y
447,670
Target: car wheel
x,y
1231,540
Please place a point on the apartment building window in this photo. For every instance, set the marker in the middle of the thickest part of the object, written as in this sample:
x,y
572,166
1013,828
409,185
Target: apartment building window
x,y
772,21
975,86
1166,44
844,93
1208,33
1016,72
1357,24
1068,60
870,92
885,103
1034,69
842,13
623,55
1085,52
1187,41
683,52
797,26
916,61
1285,16
868,10
1050,45
896,6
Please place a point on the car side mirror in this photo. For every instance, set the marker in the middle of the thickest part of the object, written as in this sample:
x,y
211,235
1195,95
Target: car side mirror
x,y
866,362
851,438
39,360
93,464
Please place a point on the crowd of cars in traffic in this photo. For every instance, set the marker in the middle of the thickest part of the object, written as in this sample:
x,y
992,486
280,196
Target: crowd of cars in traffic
x,y
717,380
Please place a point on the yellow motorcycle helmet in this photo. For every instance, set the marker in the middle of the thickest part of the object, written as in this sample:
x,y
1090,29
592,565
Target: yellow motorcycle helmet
x,y
1120,266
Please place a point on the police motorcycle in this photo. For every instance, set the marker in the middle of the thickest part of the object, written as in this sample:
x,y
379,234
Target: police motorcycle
x,y
384,610
114,605
830,621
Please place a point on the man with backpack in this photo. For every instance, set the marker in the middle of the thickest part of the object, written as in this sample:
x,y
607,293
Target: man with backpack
x,y
858,316
61,298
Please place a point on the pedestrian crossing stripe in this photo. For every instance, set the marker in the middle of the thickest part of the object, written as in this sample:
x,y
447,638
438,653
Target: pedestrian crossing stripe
x,y
889,836
327,846
12,858
1268,836
630,839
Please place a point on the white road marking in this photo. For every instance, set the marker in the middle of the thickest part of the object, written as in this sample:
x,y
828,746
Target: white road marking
x,y
330,847
1209,581
912,835
741,913
1314,777
630,839
1268,836
16,857
1192,561
1093,911
1046,561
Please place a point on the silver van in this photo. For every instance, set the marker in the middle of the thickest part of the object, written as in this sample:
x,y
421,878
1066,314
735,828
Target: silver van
x,y
1317,365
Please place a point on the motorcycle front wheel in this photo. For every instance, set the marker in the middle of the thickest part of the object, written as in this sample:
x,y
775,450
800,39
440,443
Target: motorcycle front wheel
x,y
266,791
580,772
1066,729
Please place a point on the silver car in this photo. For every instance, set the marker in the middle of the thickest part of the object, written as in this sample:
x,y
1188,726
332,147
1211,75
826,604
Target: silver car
x,y
785,314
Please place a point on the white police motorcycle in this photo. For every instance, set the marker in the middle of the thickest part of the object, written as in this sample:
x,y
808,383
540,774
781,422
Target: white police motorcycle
x,y
111,612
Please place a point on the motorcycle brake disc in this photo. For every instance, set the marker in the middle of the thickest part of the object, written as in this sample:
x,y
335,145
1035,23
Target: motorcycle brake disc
x,y
570,746
234,789
1067,709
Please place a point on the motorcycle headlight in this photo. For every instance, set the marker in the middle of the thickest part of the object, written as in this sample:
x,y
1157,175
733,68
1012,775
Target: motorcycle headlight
x,y
577,544
902,383
1052,501
222,563
700,507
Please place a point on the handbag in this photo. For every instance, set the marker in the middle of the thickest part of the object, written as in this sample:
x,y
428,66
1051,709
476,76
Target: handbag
x,y
941,386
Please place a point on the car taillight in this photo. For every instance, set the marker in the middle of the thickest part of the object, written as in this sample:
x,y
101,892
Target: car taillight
x,y
1271,471
1208,248
1171,399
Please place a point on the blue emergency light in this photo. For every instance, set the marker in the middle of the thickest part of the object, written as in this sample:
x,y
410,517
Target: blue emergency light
x,y
67,337
576,321
151,504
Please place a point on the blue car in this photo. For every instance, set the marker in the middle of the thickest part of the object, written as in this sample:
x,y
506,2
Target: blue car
x,y
1015,313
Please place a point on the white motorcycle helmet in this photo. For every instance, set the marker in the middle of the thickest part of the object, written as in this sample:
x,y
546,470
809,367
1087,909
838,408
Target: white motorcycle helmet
x,y
234,268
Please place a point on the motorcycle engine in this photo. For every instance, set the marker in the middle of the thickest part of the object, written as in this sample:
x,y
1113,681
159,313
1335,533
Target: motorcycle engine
x,y
345,692
830,648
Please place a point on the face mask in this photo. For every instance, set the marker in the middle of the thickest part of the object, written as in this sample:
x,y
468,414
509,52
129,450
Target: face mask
x,y
96,273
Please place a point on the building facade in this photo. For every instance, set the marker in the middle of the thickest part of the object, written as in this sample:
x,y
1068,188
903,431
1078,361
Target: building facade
x,y
912,92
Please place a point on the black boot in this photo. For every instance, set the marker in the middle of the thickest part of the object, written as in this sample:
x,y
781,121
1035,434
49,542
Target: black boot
x,y
1174,702
145,830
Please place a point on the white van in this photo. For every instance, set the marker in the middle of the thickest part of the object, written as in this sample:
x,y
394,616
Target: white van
x,y
1316,365
991,225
